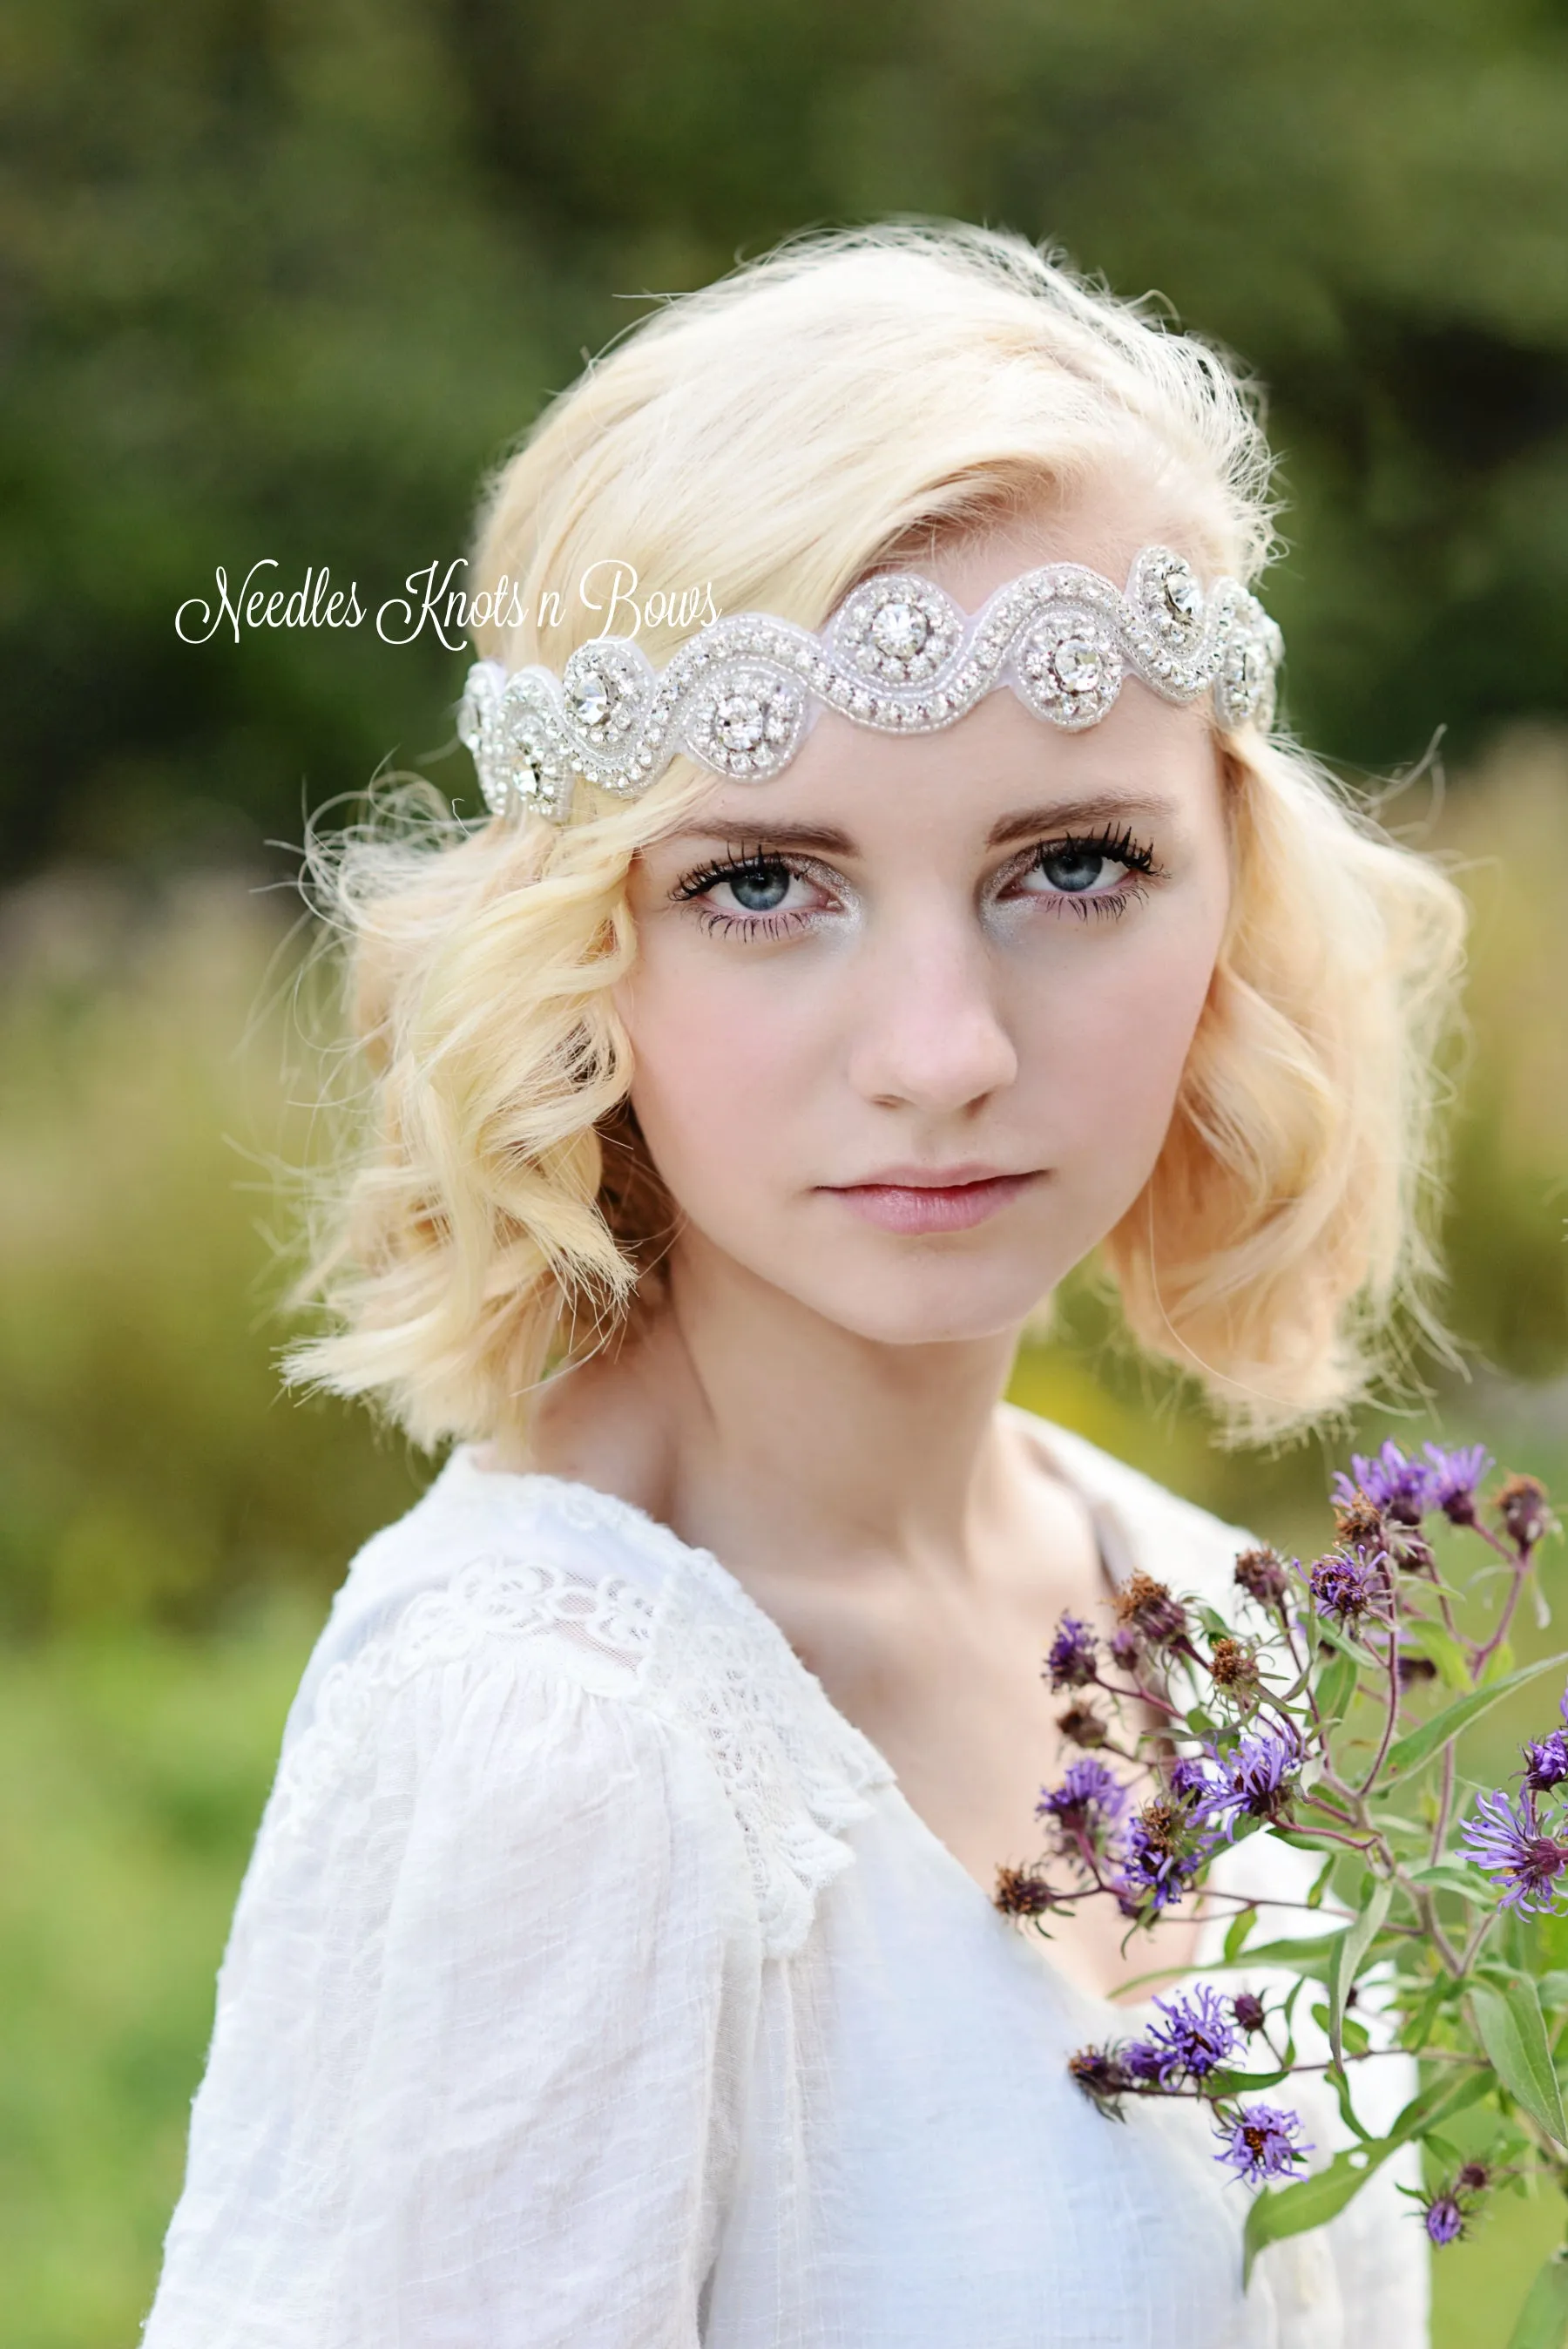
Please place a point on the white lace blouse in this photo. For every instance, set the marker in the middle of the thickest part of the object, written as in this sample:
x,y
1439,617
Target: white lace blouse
x,y
593,1986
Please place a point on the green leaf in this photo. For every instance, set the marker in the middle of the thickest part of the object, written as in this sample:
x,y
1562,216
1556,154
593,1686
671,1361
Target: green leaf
x,y
1514,2036
1282,2211
1440,1648
1544,2320
1309,1957
1436,2102
1419,2030
1497,1664
1241,1925
1412,1752
1451,1875
1337,1687
1223,2083
1329,1636
1349,1953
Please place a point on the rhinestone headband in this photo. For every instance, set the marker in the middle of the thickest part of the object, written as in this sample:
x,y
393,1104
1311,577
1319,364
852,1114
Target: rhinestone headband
x,y
899,655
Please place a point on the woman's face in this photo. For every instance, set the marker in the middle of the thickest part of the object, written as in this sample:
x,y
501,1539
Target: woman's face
x,y
909,1020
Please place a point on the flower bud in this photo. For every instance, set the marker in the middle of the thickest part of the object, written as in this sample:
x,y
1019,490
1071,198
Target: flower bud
x,y
1148,1608
1263,1575
1021,1892
1521,1502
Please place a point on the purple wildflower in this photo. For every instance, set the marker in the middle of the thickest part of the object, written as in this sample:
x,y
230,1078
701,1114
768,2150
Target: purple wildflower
x,y
1546,1761
1186,1777
1401,1489
1347,1584
1070,1662
1249,2011
1194,2037
1261,2141
1454,1477
1086,1807
1161,1852
1445,2221
1506,1838
1256,1779
1145,2062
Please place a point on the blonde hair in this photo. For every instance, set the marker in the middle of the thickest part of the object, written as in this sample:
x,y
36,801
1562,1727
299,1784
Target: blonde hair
x,y
780,434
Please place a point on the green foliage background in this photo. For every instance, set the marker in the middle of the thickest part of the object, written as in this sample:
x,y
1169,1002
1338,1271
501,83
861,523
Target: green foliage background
x,y
279,281
283,282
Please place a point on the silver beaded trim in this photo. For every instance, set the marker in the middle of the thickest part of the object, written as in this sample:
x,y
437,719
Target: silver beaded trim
x,y
899,657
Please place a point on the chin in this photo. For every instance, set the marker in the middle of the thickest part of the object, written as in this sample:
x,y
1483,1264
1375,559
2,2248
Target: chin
x,y
915,1311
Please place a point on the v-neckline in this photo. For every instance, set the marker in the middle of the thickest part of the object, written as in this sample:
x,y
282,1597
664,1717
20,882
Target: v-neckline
x,y
662,1540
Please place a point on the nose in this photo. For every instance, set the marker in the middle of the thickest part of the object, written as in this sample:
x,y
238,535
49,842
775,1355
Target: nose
x,y
928,1028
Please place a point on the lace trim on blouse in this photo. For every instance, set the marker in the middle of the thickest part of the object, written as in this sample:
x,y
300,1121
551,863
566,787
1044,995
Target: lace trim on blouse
x,y
696,1650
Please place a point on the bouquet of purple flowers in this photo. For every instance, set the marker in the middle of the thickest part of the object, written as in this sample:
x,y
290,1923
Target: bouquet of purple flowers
x,y
1326,1712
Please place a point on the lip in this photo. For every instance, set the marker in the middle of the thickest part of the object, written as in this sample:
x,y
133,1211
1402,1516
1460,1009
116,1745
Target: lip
x,y
914,1199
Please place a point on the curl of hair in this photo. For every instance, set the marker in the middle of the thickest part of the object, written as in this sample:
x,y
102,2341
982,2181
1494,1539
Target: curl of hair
x,y
777,436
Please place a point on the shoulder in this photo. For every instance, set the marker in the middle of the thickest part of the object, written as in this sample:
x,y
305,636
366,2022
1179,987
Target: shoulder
x,y
532,1600
1153,1528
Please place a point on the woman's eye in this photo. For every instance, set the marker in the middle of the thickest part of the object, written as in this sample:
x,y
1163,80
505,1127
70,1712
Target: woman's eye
x,y
759,888
1076,867
760,896
1105,874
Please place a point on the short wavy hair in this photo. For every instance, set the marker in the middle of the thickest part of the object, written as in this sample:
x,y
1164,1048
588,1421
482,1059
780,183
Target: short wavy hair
x,y
782,434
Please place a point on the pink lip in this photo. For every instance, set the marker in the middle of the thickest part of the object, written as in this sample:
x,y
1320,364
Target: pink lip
x,y
907,1200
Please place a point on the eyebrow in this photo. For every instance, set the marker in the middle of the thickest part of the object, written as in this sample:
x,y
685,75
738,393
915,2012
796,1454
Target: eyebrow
x,y
1023,824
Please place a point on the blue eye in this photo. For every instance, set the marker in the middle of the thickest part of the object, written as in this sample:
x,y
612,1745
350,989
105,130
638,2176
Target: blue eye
x,y
1074,867
759,888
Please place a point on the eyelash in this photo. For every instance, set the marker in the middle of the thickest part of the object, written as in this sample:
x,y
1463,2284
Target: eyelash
x,y
695,885
1136,857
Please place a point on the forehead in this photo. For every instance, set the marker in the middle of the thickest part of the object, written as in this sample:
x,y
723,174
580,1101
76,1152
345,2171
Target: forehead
x,y
955,786
955,792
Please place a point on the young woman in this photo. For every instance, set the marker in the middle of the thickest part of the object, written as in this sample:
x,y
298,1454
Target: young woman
x,y
617,1967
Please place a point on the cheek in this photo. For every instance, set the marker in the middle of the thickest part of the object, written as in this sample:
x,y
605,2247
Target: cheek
x,y
1115,1066
718,1071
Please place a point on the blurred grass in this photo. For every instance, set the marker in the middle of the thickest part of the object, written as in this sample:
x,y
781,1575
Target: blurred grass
x,y
171,1529
133,1768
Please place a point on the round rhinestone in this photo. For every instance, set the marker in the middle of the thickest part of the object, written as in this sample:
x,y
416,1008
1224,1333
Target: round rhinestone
x,y
1077,664
899,630
738,721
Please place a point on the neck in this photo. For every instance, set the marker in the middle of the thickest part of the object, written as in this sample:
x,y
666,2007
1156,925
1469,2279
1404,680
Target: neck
x,y
772,1435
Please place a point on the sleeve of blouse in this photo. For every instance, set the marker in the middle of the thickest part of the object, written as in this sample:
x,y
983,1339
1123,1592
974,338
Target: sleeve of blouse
x,y
482,2028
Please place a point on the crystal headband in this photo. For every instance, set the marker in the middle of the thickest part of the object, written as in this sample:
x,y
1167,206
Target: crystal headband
x,y
899,655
